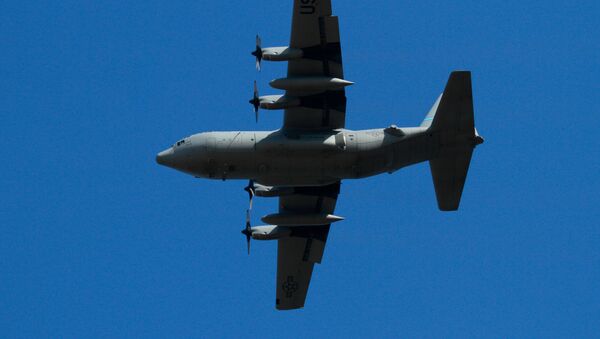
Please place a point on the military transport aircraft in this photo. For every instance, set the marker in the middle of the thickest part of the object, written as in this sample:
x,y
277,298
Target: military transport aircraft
x,y
304,162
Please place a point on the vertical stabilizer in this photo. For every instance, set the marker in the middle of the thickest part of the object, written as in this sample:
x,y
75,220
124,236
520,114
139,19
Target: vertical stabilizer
x,y
453,111
429,117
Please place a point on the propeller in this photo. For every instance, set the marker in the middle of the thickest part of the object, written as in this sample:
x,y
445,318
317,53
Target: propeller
x,y
255,101
248,230
258,52
250,190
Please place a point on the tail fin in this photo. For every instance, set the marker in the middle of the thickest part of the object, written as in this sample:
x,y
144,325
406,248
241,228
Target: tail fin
x,y
453,110
452,117
429,117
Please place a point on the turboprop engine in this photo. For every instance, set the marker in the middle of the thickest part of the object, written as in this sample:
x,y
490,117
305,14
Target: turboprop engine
x,y
269,191
275,53
272,102
281,53
269,232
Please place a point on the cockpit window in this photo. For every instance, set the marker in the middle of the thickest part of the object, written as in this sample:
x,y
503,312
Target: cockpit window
x,y
181,142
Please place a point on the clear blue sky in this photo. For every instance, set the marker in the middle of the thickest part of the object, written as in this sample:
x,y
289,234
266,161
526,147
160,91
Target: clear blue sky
x,y
98,241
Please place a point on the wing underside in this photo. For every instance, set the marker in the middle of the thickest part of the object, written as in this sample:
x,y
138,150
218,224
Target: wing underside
x,y
316,32
297,254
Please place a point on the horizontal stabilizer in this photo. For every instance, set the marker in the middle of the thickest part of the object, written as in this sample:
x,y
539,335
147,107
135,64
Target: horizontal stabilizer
x,y
451,120
449,175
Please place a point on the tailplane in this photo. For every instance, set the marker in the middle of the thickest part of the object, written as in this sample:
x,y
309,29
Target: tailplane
x,y
451,121
449,174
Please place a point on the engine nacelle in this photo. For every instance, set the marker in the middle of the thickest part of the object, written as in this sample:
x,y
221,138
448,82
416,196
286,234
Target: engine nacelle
x,y
281,53
272,102
270,191
269,232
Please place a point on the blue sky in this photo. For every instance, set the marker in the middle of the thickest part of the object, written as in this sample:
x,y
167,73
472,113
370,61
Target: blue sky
x,y
99,241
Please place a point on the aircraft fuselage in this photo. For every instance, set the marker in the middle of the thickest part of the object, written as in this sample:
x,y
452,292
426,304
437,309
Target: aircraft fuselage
x,y
278,158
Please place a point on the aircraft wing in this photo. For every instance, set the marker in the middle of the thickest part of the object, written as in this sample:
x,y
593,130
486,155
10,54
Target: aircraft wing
x,y
297,254
316,32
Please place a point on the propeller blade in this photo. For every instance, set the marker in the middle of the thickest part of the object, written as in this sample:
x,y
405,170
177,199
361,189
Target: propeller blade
x,y
255,101
248,230
250,190
258,53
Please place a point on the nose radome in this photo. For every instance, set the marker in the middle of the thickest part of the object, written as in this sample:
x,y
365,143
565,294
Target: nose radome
x,y
165,157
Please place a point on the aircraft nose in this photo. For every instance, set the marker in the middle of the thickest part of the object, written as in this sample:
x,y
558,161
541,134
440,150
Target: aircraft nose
x,y
165,157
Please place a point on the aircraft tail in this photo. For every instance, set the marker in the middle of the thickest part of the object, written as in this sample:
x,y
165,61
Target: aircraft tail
x,y
453,110
451,121
429,117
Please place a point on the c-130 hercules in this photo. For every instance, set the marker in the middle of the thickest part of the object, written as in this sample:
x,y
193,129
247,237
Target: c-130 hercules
x,y
304,162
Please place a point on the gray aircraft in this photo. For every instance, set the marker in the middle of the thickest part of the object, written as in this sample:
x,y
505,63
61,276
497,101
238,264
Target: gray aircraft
x,y
304,162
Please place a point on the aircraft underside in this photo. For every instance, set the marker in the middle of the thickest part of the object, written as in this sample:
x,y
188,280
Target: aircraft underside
x,y
303,163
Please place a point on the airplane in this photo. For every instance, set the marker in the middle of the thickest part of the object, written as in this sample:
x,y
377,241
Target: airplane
x,y
304,162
